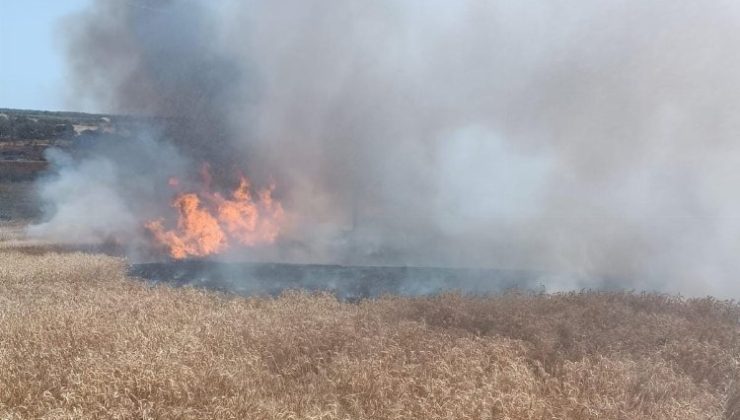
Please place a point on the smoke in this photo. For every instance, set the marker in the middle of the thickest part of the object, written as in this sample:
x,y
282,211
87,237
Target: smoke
x,y
103,192
594,138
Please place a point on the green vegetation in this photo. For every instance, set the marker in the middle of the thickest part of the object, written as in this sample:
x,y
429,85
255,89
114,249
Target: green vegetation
x,y
26,134
44,125
24,128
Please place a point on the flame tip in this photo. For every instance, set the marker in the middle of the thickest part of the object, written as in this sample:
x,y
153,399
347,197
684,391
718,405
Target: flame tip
x,y
208,223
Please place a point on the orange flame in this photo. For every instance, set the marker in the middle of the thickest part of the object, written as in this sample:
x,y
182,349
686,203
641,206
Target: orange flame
x,y
209,223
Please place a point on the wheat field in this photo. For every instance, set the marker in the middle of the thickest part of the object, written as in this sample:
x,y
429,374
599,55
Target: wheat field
x,y
78,339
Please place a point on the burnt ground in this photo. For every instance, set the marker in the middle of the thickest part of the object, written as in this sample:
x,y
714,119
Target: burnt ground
x,y
346,282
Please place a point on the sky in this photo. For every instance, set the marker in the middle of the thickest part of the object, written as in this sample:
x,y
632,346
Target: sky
x,y
32,70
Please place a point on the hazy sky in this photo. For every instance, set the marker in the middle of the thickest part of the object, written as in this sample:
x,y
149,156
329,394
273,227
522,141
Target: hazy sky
x,y
32,73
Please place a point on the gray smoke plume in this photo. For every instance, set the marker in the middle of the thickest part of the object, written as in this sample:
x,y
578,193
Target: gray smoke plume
x,y
595,138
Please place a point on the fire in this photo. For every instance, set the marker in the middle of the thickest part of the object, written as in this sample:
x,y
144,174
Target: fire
x,y
209,223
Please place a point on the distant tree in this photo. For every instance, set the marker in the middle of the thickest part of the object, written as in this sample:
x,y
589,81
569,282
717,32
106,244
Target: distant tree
x,y
64,130
24,128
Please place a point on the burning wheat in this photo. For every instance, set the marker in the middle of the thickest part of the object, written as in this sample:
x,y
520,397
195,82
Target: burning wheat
x,y
208,223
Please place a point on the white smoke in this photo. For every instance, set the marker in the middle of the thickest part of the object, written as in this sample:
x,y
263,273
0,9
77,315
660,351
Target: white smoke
x,y
596,138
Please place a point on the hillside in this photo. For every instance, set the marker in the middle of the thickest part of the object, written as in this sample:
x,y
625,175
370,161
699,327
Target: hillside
x,y
26,134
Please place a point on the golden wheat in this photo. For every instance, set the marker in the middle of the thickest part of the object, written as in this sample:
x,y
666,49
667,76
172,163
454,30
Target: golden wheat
x,y
78,339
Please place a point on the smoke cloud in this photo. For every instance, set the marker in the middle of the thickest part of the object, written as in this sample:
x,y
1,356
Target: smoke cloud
x,y
594,138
